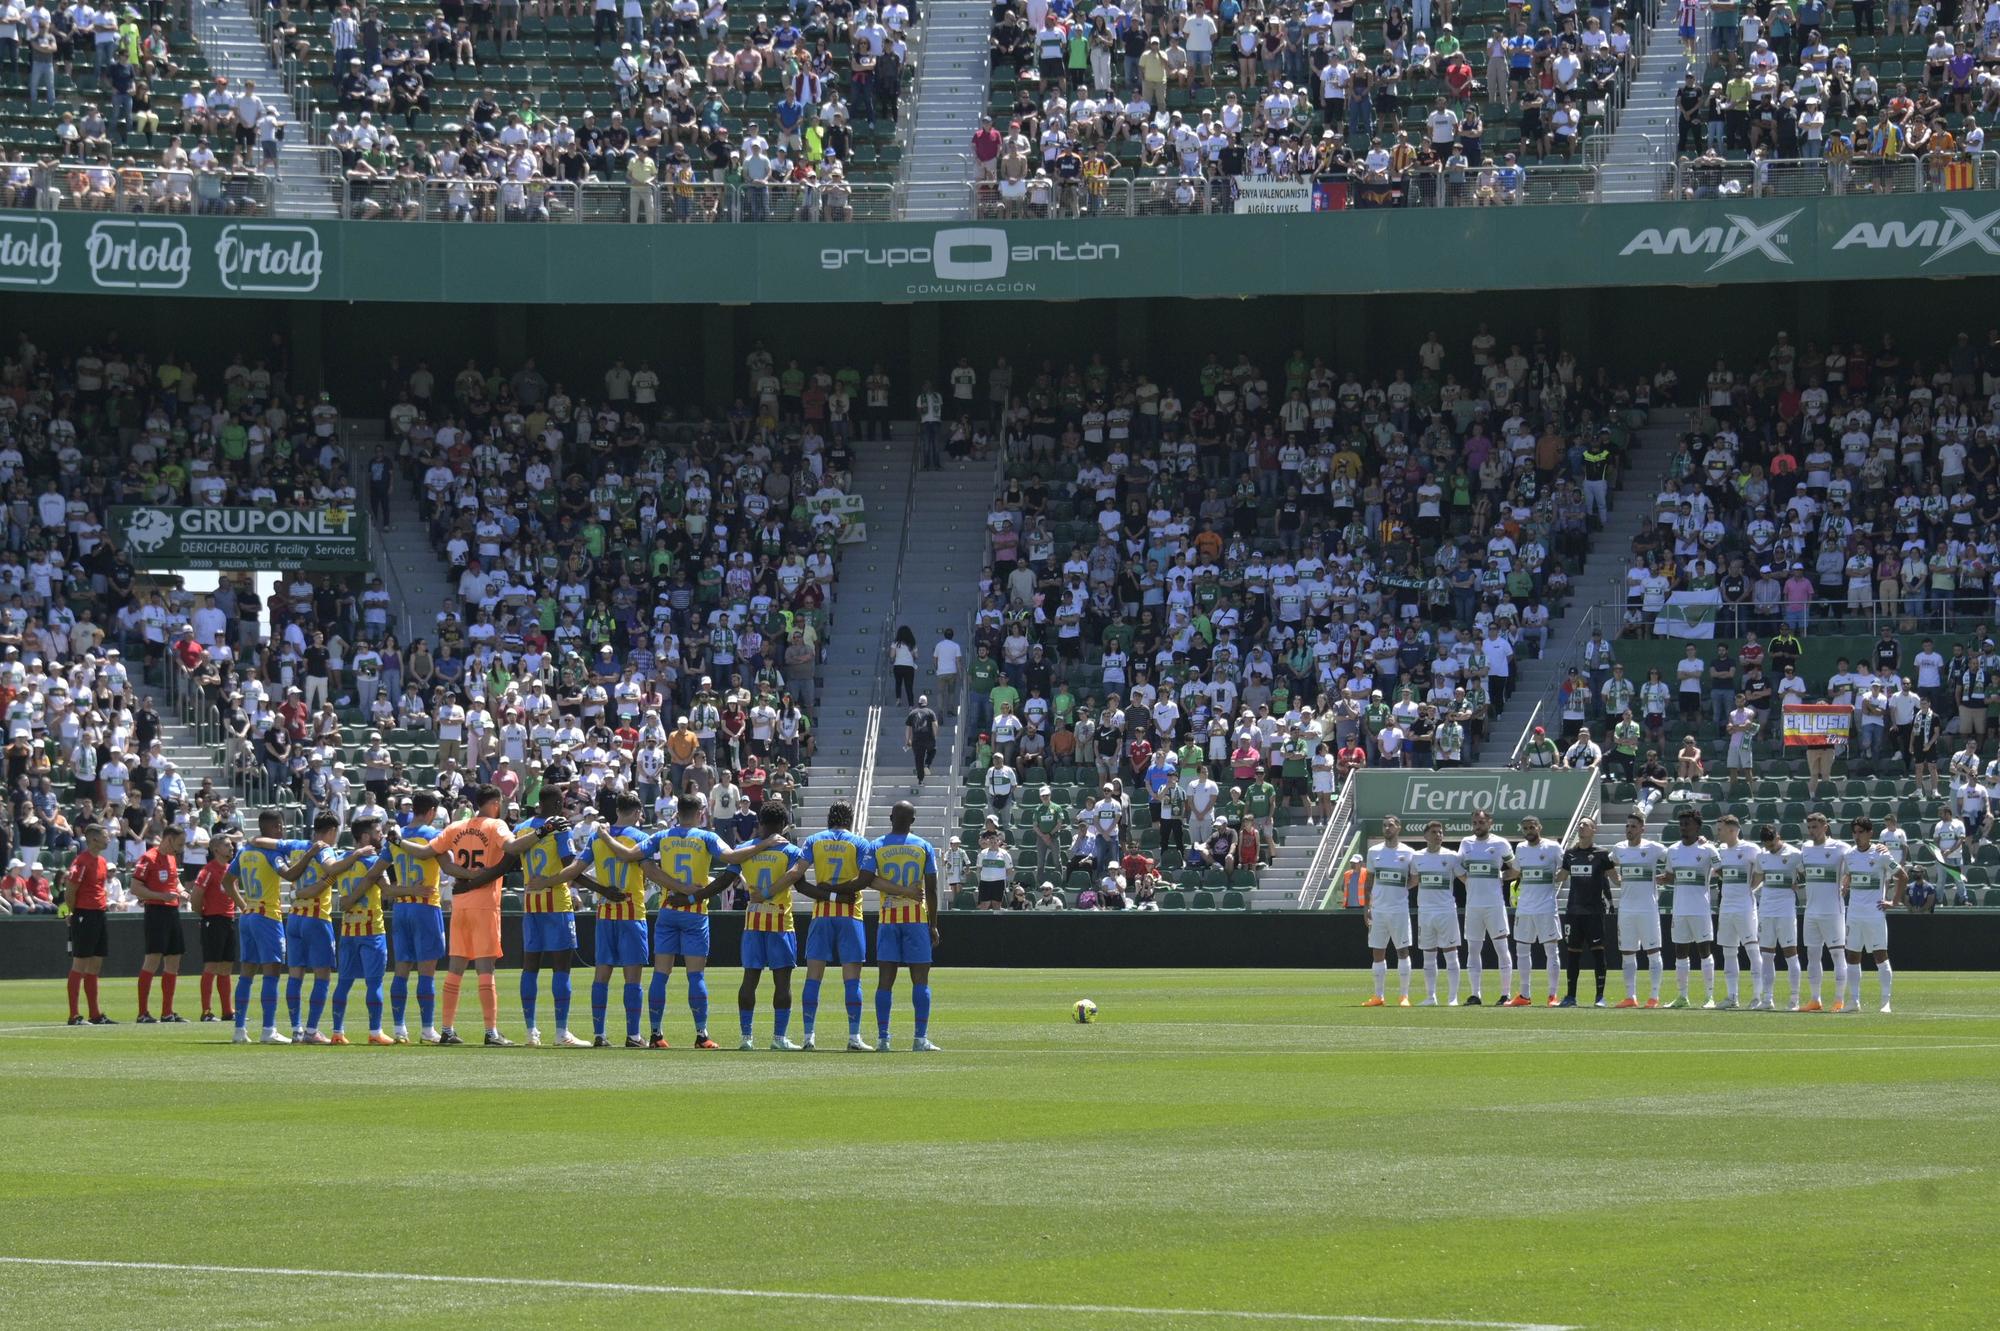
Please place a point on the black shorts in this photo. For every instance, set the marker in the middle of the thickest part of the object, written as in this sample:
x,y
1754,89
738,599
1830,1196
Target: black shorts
x,y
163,931
218,939
1581,931
88,936
992,891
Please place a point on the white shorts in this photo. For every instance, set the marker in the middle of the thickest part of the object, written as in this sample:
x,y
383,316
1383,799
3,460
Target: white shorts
x,y
1484,922
1694,929
1389,928
1639,931
1437,931
1737,928
1777,931
1825,931
1868,933
1537,927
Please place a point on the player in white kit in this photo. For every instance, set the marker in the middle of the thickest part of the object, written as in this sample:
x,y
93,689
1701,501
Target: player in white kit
x,y
1690,865
1639,860
1826,928
1435,870
1776,876
1536,863
1389,909
1736,914
1483,862
1873,881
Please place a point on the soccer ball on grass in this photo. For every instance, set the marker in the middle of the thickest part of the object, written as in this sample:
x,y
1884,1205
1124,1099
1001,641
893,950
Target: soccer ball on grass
x,y
1086,1011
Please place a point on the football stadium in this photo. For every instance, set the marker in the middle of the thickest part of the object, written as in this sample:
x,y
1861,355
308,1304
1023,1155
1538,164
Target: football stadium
x,y
1000,664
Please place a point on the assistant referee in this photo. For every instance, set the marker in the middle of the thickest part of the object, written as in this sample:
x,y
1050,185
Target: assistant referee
x,y
1587,868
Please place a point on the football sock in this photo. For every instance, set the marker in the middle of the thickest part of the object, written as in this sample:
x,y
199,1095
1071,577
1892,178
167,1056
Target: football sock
x,y
1681,975
223,995
1598,952
372,990
1732,977
634,998
169,980
340,1004
489,1001
746,1018
781,1021
531,984
1451,973
1632,975
884,998
809,1007
1506,970
207,993
698,998
399,999
1380,972
268,998
75,991
1659,972
920,1004
317,1006
1430,976
1475,961
1402,975
452,984
90,996
656,1000
295,988
560,991
851,990
1575,970
1813,973
145,992
1708,976
1839,980
600,999
1552,955
1888,978
427,1000
1524,959
243,1001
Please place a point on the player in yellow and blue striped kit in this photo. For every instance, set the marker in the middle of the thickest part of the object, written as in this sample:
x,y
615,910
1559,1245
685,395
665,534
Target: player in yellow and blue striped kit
x,y
906,935
843,864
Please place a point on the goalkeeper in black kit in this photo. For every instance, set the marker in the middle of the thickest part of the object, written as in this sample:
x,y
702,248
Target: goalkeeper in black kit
x,y
1590,873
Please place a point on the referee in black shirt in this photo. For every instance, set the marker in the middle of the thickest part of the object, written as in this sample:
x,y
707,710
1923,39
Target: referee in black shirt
x,y
1588,868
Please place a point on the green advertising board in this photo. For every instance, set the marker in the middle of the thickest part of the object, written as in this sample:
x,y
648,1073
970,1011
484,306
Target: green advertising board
x,y
1417,795
1704,243
256,539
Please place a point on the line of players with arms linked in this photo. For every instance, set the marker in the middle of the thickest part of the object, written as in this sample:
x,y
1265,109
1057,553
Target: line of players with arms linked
x,y
1727,894
315,910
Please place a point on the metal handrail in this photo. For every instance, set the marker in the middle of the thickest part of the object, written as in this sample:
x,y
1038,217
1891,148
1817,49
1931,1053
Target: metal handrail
x,y
1519,756
1333,842
115,187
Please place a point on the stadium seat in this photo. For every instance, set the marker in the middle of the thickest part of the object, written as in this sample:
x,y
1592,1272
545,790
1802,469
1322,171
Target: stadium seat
x,y
1202,901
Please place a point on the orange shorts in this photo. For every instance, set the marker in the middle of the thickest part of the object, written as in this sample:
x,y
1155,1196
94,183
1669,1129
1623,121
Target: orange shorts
x,y
475,931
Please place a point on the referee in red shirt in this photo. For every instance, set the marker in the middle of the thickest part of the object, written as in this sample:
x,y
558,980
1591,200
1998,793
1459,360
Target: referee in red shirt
x,y
211,900
84,893
156,881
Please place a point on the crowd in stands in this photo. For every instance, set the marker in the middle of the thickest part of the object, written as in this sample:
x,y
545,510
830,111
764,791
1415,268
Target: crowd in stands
x,y
1800,83
1292,91
1827,490
1209,599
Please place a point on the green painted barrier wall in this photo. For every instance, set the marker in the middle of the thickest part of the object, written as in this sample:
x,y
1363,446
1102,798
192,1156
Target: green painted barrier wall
x,y
1415,250
1315,940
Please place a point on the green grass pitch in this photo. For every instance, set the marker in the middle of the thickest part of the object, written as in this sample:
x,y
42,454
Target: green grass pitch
x,y
1222,1149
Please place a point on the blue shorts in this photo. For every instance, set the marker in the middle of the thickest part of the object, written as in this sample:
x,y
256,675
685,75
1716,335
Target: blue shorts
x,y
839,939
549,931
418,930
622,943
769,950
904,944
680,933
308,943
364,957
260,941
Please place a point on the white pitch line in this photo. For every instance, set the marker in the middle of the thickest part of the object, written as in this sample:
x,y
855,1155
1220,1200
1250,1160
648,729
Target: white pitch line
x,y
697,1291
